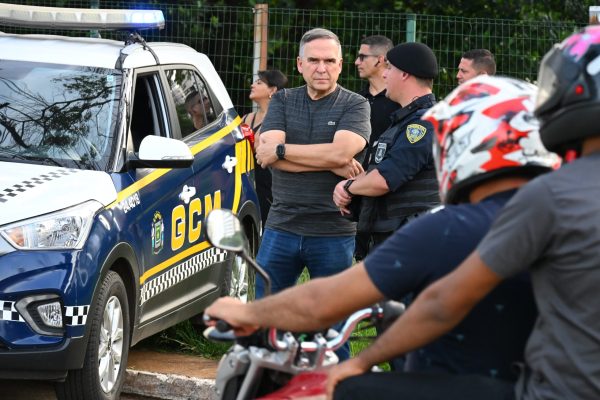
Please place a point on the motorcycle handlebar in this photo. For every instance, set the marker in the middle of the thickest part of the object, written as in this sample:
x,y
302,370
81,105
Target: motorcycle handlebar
x,y
383,315
386,314
220,325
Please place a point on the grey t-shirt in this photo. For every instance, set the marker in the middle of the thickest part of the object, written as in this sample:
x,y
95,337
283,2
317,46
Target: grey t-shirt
x,y
552,227
303,202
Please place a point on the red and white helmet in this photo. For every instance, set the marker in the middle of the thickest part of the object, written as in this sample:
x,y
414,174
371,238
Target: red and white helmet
x,y
486,128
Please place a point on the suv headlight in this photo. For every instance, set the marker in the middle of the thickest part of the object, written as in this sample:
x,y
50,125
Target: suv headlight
x,y
65,229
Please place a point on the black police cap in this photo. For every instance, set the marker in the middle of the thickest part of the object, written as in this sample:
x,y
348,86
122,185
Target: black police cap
x,y
415,58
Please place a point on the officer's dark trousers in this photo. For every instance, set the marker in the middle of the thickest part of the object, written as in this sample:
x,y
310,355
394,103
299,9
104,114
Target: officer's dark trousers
x,y
423,386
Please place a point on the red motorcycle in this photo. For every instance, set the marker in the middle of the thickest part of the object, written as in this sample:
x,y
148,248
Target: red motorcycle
x,y
270,364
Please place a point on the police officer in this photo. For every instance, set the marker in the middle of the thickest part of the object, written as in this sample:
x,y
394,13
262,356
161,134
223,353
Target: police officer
x,y
400,181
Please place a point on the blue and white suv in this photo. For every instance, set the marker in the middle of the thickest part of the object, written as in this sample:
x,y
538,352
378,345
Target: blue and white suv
x,y
111,155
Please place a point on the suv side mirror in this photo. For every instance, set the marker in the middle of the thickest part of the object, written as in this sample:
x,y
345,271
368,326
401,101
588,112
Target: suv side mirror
x,y
224,231
161,152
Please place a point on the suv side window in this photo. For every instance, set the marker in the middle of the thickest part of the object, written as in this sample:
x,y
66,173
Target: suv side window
x,y
148,113
194,107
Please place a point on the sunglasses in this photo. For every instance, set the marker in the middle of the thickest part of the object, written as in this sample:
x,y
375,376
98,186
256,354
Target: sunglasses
x,y
362,57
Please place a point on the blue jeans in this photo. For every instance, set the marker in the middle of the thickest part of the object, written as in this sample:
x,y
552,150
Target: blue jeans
x,y
284,255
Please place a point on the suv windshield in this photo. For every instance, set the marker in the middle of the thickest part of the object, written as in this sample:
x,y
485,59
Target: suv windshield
x,y
60,115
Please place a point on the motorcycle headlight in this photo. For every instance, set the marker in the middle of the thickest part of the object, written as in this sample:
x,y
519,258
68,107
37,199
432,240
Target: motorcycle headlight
x,y
65,229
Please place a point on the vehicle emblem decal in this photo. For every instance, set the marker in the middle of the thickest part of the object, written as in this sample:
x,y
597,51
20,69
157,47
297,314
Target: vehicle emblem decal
x,y
158,232
130,202
230,163
415,132
187,193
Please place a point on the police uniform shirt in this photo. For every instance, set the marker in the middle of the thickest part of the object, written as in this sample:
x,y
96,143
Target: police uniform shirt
x,y
403,157
399,160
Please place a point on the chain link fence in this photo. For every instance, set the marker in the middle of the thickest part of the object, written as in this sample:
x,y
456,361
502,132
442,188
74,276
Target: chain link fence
x,y
226,35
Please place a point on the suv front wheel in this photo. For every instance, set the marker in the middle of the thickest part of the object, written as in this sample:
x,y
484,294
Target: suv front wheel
x,y
240,277
103,372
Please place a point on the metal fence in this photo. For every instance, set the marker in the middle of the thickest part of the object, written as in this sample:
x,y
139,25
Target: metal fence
x,y
226,35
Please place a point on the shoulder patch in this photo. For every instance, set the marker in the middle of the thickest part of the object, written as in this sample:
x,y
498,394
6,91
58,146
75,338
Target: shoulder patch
x,y
415,132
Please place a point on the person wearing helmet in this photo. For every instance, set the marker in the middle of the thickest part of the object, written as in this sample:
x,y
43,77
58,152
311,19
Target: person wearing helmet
x,y
550,228
489,146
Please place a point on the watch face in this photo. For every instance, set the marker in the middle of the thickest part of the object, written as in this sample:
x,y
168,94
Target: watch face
x,y
280,151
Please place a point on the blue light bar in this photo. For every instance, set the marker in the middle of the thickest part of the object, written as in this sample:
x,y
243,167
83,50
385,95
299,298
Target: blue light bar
x,y
80,18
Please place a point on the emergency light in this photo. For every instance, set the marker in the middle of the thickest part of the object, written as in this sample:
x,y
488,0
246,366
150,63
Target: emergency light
x,y
80,18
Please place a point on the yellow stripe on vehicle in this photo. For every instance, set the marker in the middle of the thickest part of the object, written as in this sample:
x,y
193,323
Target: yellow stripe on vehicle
x,y
240,154
151,177
173,260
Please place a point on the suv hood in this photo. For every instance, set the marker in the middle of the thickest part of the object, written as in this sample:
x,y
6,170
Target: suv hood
x,y
28,190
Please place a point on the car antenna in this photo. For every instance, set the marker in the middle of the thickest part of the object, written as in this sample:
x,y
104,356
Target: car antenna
x,y
135,37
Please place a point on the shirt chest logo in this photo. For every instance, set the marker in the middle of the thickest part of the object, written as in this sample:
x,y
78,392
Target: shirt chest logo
x,y
415,132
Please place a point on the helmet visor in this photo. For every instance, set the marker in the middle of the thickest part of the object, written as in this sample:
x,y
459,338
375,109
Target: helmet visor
x,y
556,74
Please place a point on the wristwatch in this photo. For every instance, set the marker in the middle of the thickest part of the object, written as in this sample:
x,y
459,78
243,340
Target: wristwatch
x,y
280,151
347,186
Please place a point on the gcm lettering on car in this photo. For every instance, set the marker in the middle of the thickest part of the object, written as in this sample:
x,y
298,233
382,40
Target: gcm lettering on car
x,y
112,154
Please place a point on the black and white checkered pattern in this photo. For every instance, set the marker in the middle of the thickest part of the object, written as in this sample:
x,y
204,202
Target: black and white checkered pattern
x,y
9,312
7,193
181,272
76,315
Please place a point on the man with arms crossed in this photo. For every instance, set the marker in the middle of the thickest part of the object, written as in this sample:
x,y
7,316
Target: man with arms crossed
x,y
309,138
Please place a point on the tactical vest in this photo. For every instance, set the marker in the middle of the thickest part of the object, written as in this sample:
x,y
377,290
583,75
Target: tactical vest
x,y
388,212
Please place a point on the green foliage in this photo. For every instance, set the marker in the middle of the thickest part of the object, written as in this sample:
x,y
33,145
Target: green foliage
x,y
518,33
185,338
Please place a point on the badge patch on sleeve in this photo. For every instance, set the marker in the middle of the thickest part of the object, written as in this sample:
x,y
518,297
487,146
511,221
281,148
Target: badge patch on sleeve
x,y
380,152
415,132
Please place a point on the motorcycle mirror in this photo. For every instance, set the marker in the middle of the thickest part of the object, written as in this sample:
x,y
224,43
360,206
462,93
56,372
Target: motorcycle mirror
x,y
224,231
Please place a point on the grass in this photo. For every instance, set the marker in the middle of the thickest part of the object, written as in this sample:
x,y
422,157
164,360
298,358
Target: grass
x,y
185,338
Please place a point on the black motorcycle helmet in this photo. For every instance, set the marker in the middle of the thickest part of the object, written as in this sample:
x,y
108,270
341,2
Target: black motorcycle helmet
x,y
568,101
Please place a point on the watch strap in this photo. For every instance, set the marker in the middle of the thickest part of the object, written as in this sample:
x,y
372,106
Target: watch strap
x,y
347,186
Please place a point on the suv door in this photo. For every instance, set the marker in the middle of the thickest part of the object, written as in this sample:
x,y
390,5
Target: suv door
x,y
162,255
202,124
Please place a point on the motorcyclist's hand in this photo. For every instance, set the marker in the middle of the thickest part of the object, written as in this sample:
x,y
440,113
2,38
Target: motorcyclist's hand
x,y
232,311
339,372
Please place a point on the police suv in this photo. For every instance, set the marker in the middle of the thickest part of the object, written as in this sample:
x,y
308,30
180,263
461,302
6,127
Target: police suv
x,y
111,155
